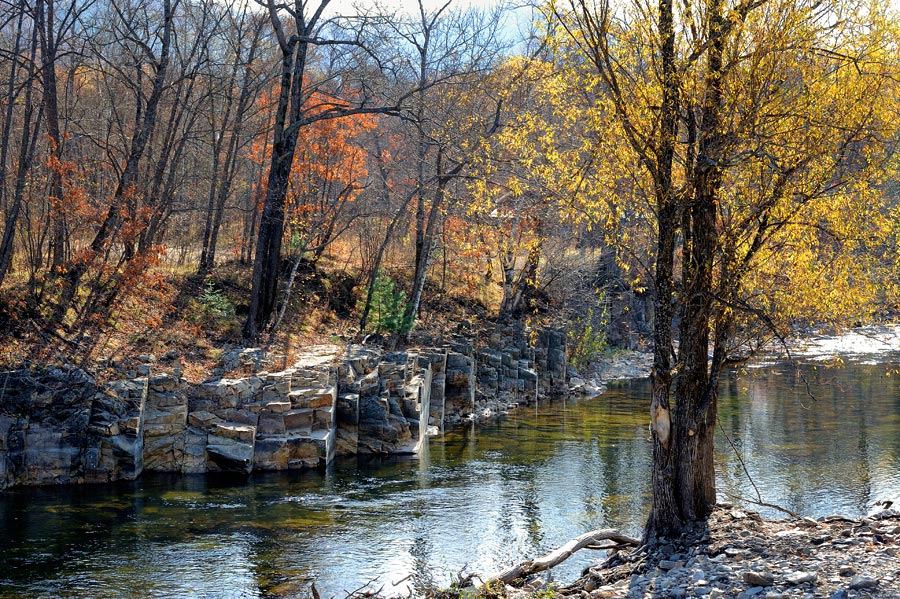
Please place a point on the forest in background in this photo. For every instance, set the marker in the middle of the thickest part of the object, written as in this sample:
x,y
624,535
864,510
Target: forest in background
x,y
183,174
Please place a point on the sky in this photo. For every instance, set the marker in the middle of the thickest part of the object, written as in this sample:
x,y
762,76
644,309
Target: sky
x,y
346,6
517,21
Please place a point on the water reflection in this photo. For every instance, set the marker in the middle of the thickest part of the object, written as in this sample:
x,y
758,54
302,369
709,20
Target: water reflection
x,y
483,499
832,449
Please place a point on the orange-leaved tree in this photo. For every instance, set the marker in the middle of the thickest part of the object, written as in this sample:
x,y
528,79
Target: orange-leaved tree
x,y
329,171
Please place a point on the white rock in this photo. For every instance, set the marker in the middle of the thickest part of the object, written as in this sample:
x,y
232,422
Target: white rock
x,y
801,577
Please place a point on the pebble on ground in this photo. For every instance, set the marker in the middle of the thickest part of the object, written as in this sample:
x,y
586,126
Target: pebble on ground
x,y
738,555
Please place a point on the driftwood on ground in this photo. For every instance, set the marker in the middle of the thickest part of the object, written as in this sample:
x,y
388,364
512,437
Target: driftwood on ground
x,y
557,556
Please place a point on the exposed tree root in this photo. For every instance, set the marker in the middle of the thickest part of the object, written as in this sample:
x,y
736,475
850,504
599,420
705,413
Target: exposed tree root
x,y
557,556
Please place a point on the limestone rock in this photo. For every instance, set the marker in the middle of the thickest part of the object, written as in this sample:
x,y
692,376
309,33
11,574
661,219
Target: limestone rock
x,y
231,457
800,577
862,582
759,579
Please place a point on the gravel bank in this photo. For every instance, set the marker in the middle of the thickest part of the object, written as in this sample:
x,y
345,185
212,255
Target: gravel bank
x,y
620,365
738,555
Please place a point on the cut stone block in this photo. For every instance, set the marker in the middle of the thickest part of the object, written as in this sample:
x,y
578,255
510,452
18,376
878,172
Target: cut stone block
x,y
203,419
296,419
271,424
237,432
231,457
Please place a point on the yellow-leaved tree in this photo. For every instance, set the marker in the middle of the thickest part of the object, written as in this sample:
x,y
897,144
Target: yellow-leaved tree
x,y
742,148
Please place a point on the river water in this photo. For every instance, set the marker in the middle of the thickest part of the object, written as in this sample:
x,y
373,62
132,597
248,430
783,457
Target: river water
x,y
482,499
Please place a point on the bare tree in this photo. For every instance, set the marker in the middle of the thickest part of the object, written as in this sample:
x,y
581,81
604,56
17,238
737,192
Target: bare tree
x,y
29,135
305,31
145,123
244,55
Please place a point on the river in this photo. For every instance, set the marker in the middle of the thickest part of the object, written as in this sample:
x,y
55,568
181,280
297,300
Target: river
x,y
482,498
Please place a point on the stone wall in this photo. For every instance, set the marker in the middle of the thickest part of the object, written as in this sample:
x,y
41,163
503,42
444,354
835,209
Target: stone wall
x,y
61,426
58,426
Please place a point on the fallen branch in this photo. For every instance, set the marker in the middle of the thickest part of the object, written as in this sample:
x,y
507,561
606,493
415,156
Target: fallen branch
x,y
762,503
557,556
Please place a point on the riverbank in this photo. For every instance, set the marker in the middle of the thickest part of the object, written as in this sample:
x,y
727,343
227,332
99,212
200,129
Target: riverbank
x,y
617,365
63,425
483,496
738,555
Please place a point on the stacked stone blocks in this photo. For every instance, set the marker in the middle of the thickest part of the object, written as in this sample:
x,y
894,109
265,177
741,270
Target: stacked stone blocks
x,y
61,426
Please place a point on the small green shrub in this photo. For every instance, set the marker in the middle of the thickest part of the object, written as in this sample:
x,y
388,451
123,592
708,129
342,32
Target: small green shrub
x,y
548,592
213,305
388,307
588,334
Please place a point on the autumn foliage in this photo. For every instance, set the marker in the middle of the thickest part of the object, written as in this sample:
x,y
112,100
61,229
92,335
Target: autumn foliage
x,y
480,177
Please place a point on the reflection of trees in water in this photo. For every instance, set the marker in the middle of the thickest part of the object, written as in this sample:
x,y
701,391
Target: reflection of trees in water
x,y
42,529
422,553
809,451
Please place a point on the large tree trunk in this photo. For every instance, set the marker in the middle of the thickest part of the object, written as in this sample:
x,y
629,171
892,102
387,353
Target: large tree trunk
x,y
268,245
264,290
695,394
665,516
684,487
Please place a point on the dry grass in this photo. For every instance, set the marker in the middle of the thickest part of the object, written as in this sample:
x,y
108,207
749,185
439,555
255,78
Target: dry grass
x,y
199,318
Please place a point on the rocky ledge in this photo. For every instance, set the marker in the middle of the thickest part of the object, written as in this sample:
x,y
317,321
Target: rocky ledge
x,y
738,555
617,366
62,425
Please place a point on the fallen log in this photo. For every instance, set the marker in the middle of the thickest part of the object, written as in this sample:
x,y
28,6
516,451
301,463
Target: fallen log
x,y
558,556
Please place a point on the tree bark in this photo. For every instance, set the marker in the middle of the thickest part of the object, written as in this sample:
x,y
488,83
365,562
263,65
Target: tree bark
x,y
288,120
695,410
264,288
683,469
665,516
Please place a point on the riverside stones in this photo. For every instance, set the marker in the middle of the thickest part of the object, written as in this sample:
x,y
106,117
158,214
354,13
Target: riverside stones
x,y
862,582
800,577
759,579
289,452
60,425
740,556
459,392
165,424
